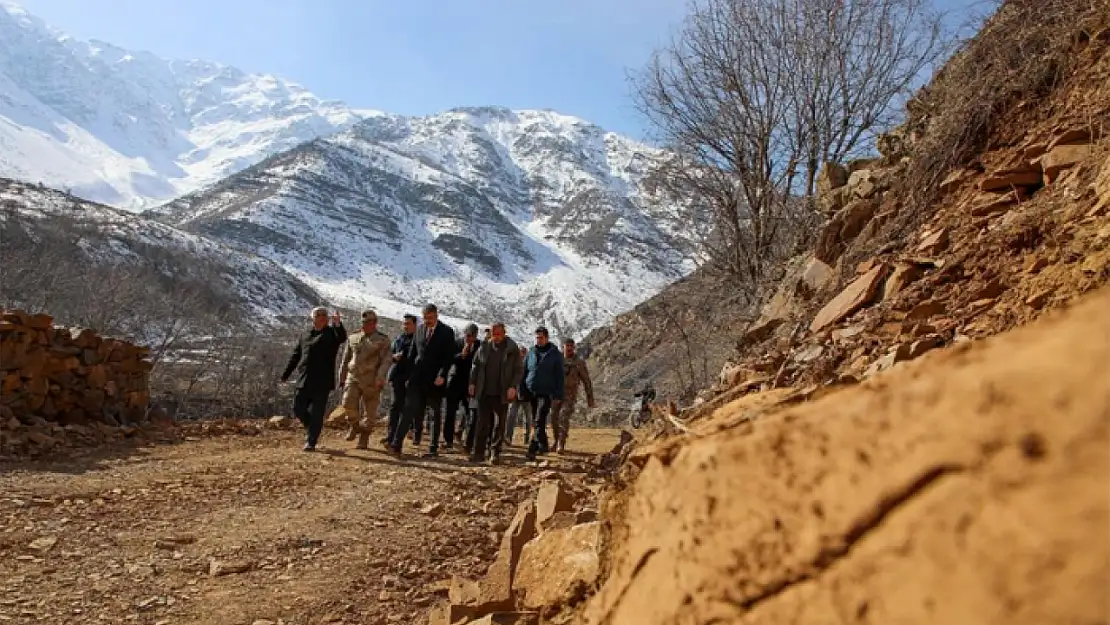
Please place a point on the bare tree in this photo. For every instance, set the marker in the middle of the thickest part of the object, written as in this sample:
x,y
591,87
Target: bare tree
x,y
755,95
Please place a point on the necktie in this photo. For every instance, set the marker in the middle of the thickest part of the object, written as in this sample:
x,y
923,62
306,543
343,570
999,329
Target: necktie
x,y
428,334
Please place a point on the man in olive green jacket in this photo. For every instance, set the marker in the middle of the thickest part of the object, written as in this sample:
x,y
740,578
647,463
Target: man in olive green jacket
x,y
494,378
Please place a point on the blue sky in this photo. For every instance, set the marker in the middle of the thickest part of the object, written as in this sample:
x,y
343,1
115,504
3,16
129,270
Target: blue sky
x,y
409,56
405,56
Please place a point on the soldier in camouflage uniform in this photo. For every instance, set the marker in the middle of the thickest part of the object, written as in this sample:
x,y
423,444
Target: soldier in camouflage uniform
x,y
575,372
366,362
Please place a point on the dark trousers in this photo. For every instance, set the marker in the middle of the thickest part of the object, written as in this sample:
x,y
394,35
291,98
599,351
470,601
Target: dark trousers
x,y
396,409
472,429
490,425
417,401
309,406
541,408
455,398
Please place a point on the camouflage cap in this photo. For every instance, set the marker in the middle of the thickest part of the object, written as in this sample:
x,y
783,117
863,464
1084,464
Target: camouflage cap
x,y
369,315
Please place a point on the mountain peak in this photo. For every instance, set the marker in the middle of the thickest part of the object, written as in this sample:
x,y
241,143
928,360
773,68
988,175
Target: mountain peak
x,y
133,129
524,216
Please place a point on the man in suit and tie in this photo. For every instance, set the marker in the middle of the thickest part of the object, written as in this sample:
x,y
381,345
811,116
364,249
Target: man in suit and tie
x,y
431,355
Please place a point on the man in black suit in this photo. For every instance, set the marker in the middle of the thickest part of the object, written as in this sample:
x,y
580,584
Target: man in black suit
x,y
313,360
431,356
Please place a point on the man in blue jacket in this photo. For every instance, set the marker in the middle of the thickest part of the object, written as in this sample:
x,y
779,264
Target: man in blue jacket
x,y
543,379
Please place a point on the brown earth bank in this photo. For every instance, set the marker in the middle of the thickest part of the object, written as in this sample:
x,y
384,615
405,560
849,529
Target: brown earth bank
x,y
235,525
970,486
914,427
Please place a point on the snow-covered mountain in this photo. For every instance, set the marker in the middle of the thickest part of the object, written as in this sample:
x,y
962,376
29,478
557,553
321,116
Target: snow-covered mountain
x,y
131,129
530,216
527,216
254,285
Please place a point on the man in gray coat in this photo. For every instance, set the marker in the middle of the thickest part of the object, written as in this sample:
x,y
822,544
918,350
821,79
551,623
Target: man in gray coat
x,y
494,378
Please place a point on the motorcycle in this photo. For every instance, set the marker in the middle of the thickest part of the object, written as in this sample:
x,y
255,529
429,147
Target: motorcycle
x,y
640,412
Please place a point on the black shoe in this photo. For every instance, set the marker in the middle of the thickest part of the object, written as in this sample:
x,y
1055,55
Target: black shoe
x,y
431,453
495,460
309,447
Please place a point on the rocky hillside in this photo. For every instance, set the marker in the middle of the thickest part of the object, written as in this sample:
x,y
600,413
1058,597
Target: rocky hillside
x,y
827,478
44,229
1018,229
977,210
528,216
129,128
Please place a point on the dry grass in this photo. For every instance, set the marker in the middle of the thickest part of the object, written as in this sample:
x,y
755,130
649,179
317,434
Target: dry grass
x,y
1023,53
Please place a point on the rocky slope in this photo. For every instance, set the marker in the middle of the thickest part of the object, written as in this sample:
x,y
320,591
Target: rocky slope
x,y
916,427
108,236
131,129
528,216
968,487
980,210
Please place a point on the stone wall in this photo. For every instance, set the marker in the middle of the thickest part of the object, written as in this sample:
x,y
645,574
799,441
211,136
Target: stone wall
x,y
65,383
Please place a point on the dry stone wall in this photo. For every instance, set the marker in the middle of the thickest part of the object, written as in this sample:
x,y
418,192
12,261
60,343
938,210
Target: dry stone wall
x,y
58,384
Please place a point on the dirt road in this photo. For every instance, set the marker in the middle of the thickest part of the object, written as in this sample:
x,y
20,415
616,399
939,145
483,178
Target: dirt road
x,y
248,529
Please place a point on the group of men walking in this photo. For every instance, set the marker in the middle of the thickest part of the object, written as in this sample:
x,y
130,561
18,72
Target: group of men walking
x,y
428,367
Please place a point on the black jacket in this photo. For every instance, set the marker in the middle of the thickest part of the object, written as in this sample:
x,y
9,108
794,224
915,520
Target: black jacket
x,y
399,371
431,359
314,357
459,380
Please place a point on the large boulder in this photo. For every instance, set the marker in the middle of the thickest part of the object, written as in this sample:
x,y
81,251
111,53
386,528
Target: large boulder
x,y
495,591
1011,178
447,613
854,296
553,497
832,176
832,201
903,275
559,567
843,229
867,183
815,277
1062,157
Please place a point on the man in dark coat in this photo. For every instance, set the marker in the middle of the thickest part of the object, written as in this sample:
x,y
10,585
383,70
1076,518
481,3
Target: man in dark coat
x,y
494,378
432,351
457,383
398,372
313,360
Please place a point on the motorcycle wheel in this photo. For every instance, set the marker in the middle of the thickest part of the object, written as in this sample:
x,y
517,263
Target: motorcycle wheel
x,y
637,420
